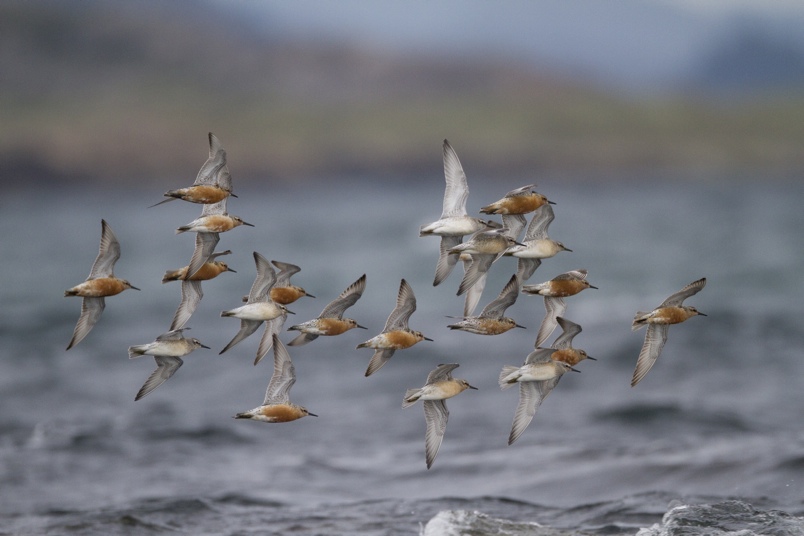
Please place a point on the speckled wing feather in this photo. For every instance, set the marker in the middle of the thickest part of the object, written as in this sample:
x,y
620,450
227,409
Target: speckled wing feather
x,y
91,309
496,308
108,253
266,277
542,218
678,298
272,329
204,246
554,307
436,415
446,262
655,337
191,295
405,306
570,330
441,372
214,163
283,377
347,298
166,366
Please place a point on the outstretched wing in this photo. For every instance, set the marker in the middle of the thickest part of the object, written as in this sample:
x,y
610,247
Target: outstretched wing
x,y
570,330
441,372
677,298
655,337
108,253
496,308
266,277
283,377
435,415
457,190
542,218
405,306
347,298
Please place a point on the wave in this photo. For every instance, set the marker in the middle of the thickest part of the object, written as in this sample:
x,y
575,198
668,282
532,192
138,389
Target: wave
x,y
631,515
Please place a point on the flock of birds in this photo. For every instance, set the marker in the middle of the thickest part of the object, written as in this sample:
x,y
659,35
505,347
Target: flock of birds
x,y
271,292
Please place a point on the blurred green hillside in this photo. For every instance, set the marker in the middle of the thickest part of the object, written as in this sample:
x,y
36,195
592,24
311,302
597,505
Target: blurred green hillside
x,y
96,91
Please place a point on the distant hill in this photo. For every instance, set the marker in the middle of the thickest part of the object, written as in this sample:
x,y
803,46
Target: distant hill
x,y
98,91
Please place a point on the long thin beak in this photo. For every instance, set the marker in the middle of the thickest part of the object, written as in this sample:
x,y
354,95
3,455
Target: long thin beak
x,y
519,244
574,369
289,312
249,224
472,387
428,339
205,346
312,414
592,358
229,269
594,287
309,295
517,325
551,202
361,327
702,314
135,288
232,194
567,249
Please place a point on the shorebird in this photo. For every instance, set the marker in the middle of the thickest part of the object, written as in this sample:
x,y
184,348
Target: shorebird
x,y
554,292
563,344
277,406
213,182
455,222
485,247
440,385
519,201
167,350
396,335
670,311
536,378
536,245
191,292
283,292
260,308
100,283
491,320
213,220
330,321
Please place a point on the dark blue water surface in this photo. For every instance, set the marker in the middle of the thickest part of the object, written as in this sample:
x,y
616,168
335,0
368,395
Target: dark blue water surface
x,y
710,441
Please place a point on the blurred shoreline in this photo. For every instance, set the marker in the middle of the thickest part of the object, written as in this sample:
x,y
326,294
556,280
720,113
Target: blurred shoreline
x,y
103,94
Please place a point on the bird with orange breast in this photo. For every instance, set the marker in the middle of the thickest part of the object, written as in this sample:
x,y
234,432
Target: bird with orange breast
x,y
100,284
520,201
554,291
670,311
191,292
396,335
277,407
213,182
331,321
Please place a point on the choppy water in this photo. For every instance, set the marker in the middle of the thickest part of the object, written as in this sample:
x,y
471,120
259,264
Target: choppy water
x,y
710,442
